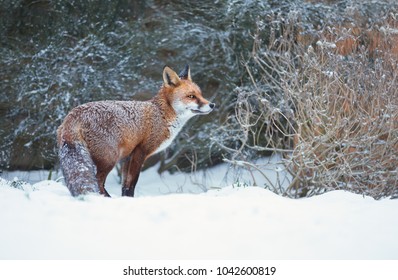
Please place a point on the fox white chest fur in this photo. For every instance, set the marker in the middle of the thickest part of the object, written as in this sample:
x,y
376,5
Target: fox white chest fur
x,y
96,135
174,128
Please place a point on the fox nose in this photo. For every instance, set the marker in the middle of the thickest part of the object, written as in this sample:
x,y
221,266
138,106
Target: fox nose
x,y
212,105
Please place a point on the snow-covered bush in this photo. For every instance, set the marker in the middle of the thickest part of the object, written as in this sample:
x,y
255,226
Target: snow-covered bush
x,y
55,55
328,103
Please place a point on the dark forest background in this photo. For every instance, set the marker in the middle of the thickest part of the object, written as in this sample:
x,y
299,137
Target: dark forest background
x,y
55,55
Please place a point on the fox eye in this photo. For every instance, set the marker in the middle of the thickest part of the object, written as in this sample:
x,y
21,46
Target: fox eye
x,y
191,96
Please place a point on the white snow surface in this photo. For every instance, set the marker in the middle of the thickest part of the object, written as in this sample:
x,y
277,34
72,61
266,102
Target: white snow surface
x,y
42,221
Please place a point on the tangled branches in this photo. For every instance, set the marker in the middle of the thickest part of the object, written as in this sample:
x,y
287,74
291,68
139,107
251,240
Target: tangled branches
x,y
333,116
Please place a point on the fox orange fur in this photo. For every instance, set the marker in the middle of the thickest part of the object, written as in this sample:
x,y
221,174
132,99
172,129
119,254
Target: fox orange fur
x,y
95,136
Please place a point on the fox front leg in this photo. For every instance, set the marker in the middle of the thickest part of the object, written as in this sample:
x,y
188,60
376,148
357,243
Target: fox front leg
x,y
131,169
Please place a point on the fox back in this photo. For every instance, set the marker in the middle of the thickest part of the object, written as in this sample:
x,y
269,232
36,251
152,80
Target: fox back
x,y
95,136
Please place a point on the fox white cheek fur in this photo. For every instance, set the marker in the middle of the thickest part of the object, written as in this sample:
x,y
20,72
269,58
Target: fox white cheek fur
x,y
193,107
207,108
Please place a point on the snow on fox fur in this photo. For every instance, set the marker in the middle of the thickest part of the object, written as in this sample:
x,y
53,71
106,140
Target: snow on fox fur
x,y
95,136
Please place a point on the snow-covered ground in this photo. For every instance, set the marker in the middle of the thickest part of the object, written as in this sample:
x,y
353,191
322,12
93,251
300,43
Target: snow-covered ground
x,y
168,220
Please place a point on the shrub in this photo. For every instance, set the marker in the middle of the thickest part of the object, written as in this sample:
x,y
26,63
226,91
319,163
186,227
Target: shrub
x,y
328,103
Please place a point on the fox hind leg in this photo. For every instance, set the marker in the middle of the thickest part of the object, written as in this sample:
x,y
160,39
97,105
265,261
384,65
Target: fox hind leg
x,y
101,177
104,167
131,169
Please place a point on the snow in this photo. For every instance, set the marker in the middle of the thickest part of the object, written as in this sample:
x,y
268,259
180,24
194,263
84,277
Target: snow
x,y
326,45
168,221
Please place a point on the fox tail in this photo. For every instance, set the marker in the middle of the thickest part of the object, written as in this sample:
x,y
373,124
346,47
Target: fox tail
x,y
78,168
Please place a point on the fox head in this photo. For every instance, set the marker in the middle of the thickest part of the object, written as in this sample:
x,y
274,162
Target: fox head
x,y
184,95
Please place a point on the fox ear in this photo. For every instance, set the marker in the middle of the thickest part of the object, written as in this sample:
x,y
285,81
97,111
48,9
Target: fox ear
x,y
186,73
170,78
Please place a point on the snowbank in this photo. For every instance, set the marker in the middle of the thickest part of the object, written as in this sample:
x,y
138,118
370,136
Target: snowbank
x,y
42,221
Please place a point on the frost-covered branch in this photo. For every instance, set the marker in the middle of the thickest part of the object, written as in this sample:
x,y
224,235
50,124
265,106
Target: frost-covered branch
x,y
329,109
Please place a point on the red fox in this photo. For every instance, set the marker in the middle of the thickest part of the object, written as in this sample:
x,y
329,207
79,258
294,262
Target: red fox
x,y
95,136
